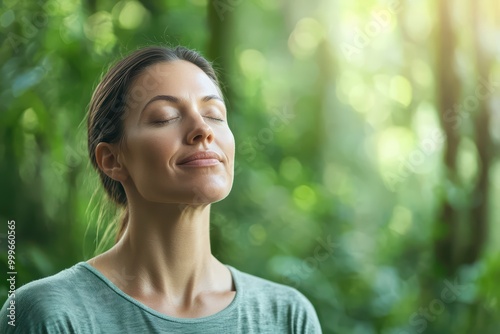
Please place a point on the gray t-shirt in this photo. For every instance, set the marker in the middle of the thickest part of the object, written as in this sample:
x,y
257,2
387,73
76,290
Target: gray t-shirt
x,y
82,300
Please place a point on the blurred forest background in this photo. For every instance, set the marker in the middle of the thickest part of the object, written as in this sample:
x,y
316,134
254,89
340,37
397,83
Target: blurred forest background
x,y
367,135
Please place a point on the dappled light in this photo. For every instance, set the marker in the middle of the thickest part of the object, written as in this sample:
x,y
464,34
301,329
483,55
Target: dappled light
x,y
367,135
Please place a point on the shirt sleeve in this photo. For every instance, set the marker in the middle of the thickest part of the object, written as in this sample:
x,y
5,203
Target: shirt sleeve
x,y
30,310
305,319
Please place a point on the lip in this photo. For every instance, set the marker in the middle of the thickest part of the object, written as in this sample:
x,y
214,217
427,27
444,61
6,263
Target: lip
x,y
201,158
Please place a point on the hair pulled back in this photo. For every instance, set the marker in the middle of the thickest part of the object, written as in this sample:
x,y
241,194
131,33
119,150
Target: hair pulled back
x,y
114,96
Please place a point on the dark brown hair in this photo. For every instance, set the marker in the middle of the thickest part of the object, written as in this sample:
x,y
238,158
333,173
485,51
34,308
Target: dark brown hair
x,y
114,96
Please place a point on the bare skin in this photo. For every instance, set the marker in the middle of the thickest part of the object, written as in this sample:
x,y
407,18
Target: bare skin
x,y
164,258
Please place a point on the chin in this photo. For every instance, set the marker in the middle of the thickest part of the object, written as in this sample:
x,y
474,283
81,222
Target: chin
x,y
207,196
210,191
196,191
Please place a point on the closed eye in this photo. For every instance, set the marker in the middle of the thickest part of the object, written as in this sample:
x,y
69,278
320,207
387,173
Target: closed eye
x,y
166,121
214,118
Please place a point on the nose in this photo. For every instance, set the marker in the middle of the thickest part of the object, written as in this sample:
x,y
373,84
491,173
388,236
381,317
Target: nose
x,y
200,132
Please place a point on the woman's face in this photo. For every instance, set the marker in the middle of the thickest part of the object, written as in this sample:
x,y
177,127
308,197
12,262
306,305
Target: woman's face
x,y
178,147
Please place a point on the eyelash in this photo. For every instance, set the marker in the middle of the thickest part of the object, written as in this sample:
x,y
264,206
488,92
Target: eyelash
x,y
214,118
166,121
173,119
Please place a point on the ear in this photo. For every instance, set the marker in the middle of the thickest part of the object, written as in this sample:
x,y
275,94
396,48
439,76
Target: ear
x,y
108,160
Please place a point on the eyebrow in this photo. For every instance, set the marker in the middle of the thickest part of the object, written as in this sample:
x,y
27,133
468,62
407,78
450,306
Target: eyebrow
x,y
176,100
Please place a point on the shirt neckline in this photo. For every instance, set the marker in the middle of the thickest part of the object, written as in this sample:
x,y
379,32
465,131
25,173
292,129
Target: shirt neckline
x,y
163,316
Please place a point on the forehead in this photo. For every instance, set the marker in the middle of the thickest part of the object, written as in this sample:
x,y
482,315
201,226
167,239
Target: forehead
x,y
178,78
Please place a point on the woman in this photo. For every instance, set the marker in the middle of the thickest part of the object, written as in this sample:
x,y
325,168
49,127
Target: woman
x,y
158,137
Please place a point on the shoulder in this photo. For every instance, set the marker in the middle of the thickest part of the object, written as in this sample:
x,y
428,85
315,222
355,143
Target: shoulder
x,y
61,286
43,305
287,303
257,286
253,285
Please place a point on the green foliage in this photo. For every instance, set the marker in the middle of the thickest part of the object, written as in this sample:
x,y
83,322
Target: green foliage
x,y
341,176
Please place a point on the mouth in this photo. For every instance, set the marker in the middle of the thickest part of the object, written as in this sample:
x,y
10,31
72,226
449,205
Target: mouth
x,y
201,159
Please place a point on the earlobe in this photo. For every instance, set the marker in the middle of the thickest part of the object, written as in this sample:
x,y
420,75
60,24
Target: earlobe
x,y
108,160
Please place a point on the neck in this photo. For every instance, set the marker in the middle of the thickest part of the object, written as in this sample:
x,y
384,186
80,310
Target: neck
x,y
167,248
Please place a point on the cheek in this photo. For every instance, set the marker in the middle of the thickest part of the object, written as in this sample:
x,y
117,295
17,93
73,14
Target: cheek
x,y
151,150
228,144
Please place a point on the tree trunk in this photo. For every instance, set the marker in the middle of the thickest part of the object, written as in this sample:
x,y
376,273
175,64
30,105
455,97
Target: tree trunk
x,y
479,212
448,90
